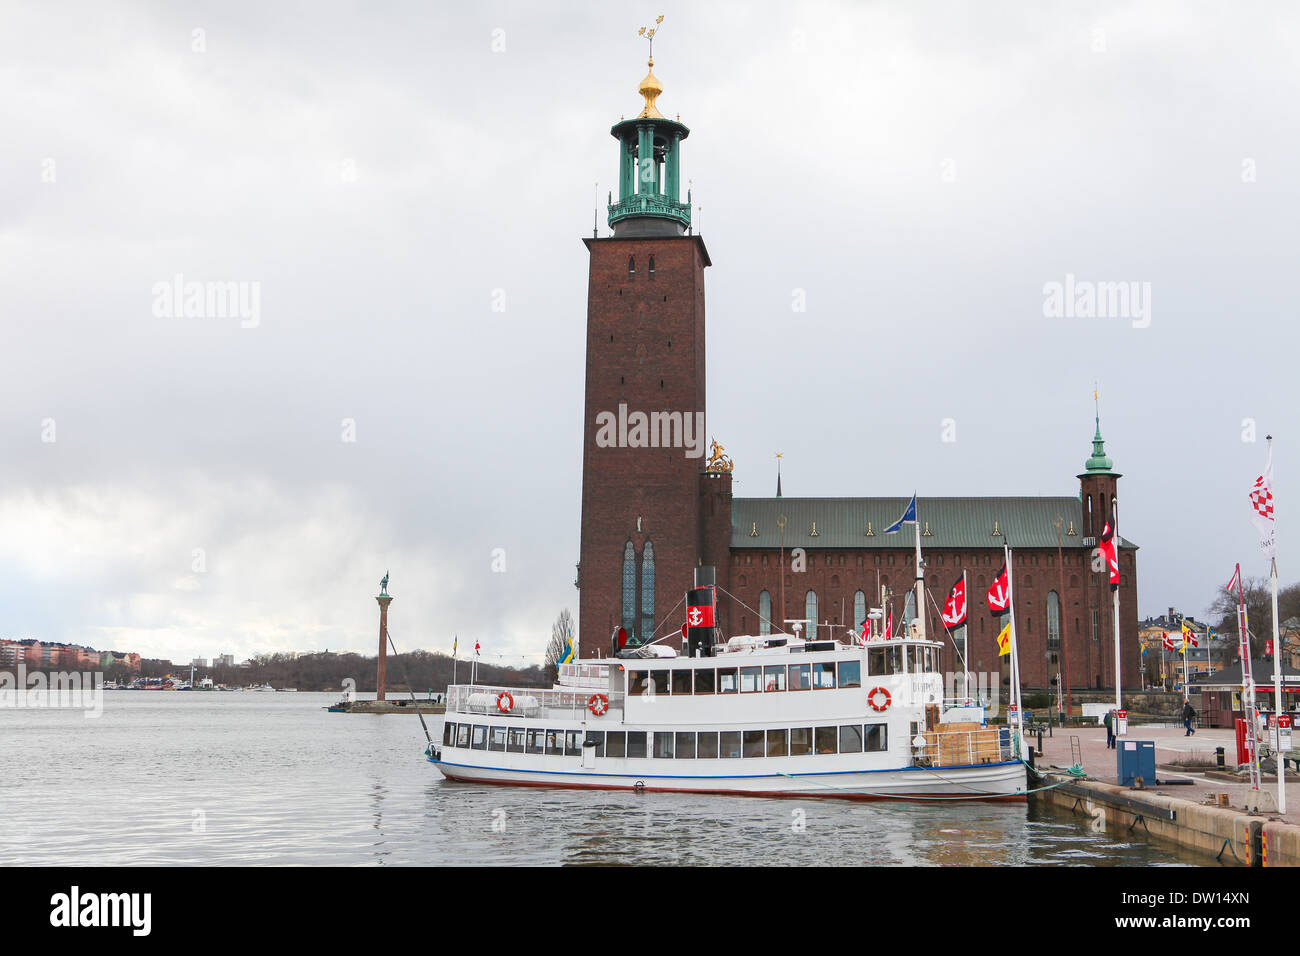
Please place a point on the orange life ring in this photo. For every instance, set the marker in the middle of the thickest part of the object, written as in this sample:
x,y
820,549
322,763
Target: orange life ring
x,y
505,702
871,699
598,704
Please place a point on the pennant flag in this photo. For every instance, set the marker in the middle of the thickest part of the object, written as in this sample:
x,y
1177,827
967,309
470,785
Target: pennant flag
x,y
954,611
1169,642
908,515
999,593
1236,580
1109,549
1261,504
1004,640
889,624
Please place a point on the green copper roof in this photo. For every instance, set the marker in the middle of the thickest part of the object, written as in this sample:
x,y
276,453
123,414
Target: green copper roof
x,y
1099,464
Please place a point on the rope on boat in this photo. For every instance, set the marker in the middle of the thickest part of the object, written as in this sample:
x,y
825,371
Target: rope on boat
x,y
418,713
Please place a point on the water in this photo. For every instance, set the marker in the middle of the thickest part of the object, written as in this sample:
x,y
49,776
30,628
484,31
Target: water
x,y
252,778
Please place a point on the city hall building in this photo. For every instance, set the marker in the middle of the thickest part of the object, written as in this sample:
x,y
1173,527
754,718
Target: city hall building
x,y
655,504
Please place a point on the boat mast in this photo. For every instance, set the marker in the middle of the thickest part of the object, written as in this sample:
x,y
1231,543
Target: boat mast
x,y
920,583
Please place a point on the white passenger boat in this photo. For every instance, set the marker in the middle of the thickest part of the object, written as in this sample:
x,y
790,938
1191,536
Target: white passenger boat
x,y
772,716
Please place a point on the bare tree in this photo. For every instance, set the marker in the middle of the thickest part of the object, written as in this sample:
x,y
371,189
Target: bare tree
x,y
561,635
1259,610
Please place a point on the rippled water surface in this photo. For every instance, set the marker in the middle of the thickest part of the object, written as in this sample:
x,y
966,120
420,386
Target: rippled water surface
x,y
212,778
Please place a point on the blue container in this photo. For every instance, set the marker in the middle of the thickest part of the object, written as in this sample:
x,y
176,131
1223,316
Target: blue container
x,y
1135,758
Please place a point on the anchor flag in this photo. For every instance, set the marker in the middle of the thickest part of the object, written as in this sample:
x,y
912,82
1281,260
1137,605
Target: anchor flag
x,y
700,615
1109,549
954,611
1004,640
1261,504
908,515
1000,593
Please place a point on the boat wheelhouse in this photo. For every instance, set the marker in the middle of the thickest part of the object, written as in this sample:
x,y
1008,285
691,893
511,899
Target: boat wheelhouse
x,y
765,716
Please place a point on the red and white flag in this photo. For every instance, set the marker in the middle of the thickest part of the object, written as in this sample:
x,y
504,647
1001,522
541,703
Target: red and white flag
x,y
889,625
1236,580
476,647
1261,505
1109,549
866,632
954,610
1169,642
999,595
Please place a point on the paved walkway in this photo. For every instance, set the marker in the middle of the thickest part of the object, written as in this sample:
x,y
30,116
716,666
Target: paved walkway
x,y
1099,761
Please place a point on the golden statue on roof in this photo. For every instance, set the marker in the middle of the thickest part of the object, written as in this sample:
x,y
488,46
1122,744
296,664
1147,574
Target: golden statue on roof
x,y
719,463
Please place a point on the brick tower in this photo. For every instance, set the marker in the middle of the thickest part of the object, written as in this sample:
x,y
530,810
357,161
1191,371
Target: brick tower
x,y
643,427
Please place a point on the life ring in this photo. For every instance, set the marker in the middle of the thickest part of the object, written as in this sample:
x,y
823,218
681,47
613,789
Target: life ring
x,y
871,699
505,702
598,704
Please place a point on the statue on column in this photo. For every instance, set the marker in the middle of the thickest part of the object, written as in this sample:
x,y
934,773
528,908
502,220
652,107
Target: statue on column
x,y
383,585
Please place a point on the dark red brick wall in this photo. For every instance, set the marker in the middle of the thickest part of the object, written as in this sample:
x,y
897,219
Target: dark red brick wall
x,y
1037,573
645,347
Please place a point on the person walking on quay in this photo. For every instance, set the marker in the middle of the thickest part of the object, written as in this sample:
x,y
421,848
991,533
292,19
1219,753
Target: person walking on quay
x,y
1110,729
1189,714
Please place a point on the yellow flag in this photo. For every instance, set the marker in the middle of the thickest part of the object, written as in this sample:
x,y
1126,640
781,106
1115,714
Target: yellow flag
x,y
1004,641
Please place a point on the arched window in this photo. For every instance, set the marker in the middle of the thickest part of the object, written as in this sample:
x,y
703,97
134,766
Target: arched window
x,y
652,267
629,590
647,591
859,610
764,612
1053,620
631,266
810,612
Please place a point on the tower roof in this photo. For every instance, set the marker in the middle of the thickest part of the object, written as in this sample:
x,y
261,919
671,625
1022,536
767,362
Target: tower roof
x,y
1098,463
650,89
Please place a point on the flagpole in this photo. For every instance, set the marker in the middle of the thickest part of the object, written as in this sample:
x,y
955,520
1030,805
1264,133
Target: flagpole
x,y
965,636
1015,653
1248,683
920,575
1277,692
1114,525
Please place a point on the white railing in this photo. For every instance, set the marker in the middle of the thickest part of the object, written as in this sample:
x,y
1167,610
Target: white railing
x,y
541,703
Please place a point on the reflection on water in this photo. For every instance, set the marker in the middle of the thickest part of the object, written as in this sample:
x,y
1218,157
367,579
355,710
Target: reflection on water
x,y
275,779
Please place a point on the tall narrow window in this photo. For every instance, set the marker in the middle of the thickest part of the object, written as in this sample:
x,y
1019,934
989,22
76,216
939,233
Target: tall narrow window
x,y
765,612
810,612
648,591
859,610
629,590
1053,620
652,267
631,266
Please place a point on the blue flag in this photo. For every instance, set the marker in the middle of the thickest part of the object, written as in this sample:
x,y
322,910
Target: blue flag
x,y
908,515
567,656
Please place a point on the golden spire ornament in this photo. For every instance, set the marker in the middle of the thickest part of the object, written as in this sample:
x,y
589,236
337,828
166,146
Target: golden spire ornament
x,y
650,87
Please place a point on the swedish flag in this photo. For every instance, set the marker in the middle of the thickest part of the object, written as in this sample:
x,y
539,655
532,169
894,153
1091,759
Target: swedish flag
x,y
567,656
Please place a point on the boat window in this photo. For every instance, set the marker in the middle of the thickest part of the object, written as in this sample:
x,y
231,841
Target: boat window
x,y
555,741
800,741
777,744
800,677
704,680
536,741
449,734
751,680
615,744
708,745
754,743
595,738
685,745
850,738
931,659
726,680
729,743
573,743
462,735
682,680
883,661
637,682
664,743
774,677
877,739
825,738
480,737
659,681
498,741
850,673
824,675
515,742
636,743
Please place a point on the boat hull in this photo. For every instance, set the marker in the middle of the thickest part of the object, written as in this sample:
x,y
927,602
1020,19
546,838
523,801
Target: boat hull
x,y
994,781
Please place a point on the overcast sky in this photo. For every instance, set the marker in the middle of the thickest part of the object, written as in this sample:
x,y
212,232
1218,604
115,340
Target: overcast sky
x,y
406,185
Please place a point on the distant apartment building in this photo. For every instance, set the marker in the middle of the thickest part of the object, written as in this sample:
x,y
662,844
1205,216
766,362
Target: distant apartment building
x,y
225,660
